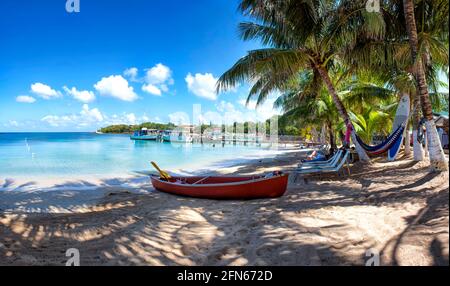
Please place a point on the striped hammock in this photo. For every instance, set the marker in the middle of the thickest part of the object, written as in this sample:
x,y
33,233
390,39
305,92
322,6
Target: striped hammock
x,y
384,147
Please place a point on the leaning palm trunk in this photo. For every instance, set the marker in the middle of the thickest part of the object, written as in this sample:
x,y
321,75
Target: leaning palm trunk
x,y
408,138
407,142
436,153
417,145
435,150
332,137
342,111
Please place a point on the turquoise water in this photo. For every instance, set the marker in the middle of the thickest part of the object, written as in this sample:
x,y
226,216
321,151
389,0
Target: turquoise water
x,y
89,154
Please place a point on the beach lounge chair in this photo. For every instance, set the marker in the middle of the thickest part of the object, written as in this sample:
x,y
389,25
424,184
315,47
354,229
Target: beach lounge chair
x,y
333,164
321,170
330,161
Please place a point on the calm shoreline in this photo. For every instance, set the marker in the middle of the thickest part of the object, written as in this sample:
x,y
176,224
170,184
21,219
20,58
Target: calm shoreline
x,y
19,194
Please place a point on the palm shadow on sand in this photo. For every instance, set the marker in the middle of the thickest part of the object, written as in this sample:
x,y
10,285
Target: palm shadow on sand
x,y
154,228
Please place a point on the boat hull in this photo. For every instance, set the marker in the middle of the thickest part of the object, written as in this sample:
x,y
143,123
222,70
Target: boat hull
x,y
149,138
225,188
176,139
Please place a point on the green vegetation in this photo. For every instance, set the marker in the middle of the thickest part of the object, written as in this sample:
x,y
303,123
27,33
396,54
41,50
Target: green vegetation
x,y
126,129
284,128
336,65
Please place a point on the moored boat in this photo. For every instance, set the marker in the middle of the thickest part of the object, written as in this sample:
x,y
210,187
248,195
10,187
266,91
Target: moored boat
x,y
145,134
176,137
166,135
224,187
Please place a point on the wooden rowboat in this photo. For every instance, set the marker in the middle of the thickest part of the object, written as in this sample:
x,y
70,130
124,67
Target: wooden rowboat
x,y
224,188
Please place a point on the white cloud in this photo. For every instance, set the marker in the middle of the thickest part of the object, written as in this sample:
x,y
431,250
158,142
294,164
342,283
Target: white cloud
x,y
116,86
158,79
57,121
13,123
211,117
21,125
131,118
159,74
125,118
227,112
80,95
264,111
225,106
91,114
44,91
251,104
152,89
202,85
25,99
164,87
86,117
231,114
131,74
179,118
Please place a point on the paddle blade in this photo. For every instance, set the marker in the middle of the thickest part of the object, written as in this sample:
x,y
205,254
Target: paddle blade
x,y
164,175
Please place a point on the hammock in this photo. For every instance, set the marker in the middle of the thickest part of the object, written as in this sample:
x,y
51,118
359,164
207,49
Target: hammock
x,y
384,147
394,142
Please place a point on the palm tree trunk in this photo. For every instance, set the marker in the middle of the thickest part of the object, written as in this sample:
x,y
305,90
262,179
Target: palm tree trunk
x,y
417,146
437,156
332,137
342,111
407,141
341,136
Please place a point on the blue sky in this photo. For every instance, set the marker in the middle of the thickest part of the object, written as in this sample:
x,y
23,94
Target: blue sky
x,y
117,62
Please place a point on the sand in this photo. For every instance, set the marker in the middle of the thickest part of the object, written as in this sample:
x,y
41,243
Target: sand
x,y
398,210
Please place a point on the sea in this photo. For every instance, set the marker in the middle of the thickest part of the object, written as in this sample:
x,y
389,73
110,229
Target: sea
x,y
65,155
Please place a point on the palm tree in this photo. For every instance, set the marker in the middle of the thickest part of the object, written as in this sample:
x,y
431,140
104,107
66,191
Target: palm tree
x,y
392,55
302,35
311,106
437,157
366,90
370,98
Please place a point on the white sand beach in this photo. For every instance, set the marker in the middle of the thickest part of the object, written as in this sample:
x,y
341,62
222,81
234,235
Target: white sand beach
x,y
110,108
397,209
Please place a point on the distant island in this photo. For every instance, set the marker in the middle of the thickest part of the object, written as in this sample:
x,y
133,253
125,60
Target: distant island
x,y
284,127
127,129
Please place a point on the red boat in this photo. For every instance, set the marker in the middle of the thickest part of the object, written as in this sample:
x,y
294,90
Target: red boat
x,y
224,188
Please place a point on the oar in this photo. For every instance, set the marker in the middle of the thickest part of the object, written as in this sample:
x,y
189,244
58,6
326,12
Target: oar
x,y
201,180
163,174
